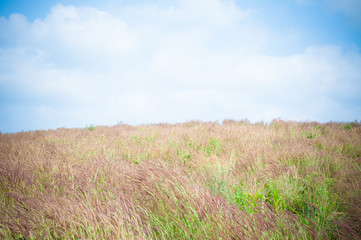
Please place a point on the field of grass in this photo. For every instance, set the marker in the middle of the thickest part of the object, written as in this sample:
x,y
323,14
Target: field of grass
x,y
197,180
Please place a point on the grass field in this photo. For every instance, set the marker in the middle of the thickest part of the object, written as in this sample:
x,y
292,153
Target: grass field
x,y
197,180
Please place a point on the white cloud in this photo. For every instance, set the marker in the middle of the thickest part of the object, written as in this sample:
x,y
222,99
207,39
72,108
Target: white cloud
x,y
185,13
70,34
194,60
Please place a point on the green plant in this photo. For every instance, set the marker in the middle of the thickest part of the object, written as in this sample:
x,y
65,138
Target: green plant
x,y
320,146
273,196
321,129
351,150
310,135
90,127
214,146
347,126
247,200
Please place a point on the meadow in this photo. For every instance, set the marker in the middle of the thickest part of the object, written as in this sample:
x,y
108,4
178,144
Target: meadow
x,y
194,180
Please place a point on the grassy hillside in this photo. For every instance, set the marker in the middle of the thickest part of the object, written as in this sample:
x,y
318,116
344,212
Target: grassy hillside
x,y
197,180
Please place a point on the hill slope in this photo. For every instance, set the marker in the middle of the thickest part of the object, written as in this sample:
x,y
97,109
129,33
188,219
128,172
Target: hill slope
x,y
197,180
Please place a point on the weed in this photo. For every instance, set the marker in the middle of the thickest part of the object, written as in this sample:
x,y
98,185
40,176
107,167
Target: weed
x,y
214,146
347,126
90,127
246,200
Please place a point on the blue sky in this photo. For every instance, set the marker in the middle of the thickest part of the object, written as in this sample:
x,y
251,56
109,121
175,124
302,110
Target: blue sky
x,y
75,63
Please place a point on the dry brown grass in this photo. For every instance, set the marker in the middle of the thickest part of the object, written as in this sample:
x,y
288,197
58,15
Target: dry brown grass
x,y
197,180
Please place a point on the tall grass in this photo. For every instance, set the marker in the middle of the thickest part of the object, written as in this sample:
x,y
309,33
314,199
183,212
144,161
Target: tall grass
x,y
197,180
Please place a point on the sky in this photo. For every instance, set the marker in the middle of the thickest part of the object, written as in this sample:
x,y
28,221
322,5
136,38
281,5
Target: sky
x,y
103,62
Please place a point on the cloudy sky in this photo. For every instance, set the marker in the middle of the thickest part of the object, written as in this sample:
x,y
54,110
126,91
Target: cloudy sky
x,y
74,63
